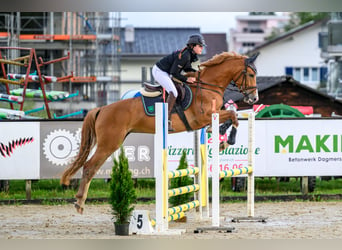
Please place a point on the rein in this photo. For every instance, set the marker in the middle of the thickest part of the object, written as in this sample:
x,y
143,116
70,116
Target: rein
x,y
199,82
198,85
242,89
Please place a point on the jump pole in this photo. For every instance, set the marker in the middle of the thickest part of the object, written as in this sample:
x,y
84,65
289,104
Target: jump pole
x,y
141,222
250,178
215,193
201,161
201,198
216,173
160,156
215,167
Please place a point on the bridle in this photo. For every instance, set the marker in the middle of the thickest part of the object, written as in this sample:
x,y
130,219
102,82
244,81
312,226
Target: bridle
x,y
244,89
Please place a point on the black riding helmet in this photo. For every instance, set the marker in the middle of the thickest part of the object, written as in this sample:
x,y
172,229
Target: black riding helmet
x,y
196,39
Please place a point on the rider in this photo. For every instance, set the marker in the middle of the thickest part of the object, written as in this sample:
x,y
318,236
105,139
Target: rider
x,y
172,65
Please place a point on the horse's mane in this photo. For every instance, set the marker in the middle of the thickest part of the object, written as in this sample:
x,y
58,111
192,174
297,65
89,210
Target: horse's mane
x,y
219,58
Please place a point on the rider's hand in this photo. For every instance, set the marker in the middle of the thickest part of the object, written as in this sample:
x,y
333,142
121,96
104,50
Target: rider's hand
x,y
191,79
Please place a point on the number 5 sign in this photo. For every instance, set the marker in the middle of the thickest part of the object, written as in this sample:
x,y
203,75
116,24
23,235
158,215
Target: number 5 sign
x,y
140,222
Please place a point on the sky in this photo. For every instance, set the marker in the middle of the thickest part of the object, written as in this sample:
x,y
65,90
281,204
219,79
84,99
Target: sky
x,y
208,22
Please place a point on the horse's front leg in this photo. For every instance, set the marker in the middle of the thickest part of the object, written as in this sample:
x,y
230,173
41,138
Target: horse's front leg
x,y
225,126
228,118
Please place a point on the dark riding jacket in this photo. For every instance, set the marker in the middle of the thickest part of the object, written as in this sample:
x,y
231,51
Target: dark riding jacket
x,y
177,62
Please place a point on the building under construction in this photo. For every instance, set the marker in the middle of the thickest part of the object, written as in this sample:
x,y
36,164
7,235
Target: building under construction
x,y
80,50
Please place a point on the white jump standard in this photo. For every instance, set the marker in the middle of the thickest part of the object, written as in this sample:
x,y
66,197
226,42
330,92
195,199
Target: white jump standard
x,y
164,214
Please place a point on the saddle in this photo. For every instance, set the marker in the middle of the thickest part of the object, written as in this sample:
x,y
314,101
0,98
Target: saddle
x,y
152,93
153,90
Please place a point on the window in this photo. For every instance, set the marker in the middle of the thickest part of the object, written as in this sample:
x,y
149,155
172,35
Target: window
x,y
305,74
250,44
289,71
296,74
323,71
254,24
314,74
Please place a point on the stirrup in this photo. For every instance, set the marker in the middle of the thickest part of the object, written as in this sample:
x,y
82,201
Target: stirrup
x,y
170,128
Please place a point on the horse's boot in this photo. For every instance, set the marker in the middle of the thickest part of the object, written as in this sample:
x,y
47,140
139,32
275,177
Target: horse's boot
x,y
223,128
232,136
171,99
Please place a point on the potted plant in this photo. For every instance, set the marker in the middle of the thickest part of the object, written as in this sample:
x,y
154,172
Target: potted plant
x,y
122,194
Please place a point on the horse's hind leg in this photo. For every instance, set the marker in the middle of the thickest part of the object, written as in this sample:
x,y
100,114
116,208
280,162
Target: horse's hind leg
x,y
107,142
89,170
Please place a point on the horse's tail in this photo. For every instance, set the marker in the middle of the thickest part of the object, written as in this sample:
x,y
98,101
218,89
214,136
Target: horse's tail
x,y
88,141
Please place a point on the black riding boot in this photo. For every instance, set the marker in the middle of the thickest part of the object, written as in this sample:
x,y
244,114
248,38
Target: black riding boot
x,y
171,99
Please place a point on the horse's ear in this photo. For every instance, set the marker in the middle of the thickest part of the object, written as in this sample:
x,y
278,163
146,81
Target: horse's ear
x,y
253,57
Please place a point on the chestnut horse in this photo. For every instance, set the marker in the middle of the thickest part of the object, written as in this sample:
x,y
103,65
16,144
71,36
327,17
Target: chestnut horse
x,y
108,126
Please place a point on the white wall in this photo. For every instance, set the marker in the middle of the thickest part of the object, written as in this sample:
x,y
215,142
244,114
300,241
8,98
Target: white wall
x,y
131,69
299,50
131,73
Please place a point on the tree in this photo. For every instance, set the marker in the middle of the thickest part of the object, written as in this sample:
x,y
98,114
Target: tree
x,y
122,192
300,18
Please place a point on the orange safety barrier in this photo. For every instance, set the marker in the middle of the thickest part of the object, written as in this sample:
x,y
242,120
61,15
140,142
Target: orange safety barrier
x,y
55,37
4,34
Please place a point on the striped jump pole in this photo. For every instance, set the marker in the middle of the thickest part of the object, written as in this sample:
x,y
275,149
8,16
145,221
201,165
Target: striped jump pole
x,y
10,98
38,93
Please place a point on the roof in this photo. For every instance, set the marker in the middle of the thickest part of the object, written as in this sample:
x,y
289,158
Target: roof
x,y
155,41
151,42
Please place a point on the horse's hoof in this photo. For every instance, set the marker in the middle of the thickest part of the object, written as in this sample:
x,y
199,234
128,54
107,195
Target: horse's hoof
x,y
209,130
223,146
231,141
79,209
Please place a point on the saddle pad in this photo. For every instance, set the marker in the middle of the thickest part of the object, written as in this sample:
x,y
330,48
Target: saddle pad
x,y
149,102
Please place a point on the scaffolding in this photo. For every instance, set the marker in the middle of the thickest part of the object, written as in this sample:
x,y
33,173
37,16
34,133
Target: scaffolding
x,y
91,39
18,95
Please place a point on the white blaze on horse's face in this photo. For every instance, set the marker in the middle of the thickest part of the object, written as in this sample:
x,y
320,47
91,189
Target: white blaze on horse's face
x,y
251,96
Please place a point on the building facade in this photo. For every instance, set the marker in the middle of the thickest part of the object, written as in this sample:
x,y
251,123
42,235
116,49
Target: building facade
x,y
252,30
296,53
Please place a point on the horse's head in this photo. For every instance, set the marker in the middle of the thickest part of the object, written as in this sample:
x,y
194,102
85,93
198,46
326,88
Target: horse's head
x,y
230,68
246,81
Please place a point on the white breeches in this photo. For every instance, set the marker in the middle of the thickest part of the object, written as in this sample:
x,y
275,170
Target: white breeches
x,y
164,80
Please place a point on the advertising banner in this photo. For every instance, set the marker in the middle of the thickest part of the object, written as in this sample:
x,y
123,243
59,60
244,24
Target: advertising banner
x,y
19,150
303,147
60,142
299,147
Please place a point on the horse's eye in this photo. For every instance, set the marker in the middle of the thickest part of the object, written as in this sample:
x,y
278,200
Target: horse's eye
x,y
251,75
